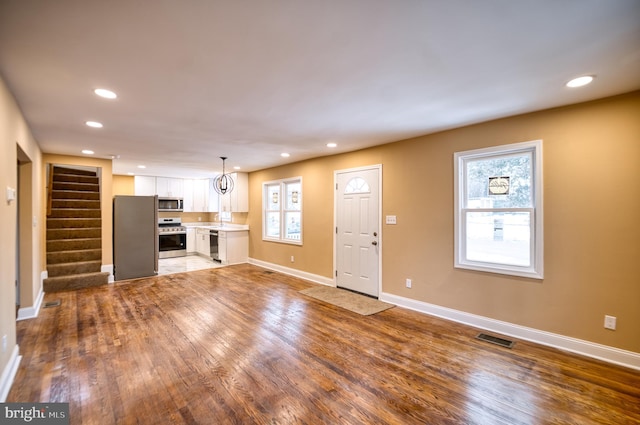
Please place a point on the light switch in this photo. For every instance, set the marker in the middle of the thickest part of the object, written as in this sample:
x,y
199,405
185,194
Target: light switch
x,y
391,219
11,194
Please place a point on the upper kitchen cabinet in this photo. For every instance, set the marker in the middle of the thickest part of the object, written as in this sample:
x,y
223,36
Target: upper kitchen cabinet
x,y
171,188
238,199
199,196
162,186
144,185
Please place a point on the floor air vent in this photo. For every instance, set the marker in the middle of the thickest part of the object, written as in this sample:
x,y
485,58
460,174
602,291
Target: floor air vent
x,y
55,303
495,340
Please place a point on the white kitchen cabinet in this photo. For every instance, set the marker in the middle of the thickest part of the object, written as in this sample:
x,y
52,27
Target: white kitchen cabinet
x,y
202,242
205,198
188,195
170,187
199,196
238,199
161,186
212,197
233,247
191,240
144,186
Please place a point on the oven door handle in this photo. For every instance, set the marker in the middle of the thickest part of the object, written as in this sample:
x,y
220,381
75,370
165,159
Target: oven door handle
x,y
172,233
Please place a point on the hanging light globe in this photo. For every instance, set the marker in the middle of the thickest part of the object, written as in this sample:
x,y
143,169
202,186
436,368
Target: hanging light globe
x,y
223,183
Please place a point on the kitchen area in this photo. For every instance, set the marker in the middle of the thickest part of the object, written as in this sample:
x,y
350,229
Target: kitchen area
x,y
196,227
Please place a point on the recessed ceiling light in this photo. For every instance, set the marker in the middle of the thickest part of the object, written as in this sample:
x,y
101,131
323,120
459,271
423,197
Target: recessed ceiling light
x,y
130,174
94,124
87,152
107,94
285,155
236,167
332,145
580,81
142,166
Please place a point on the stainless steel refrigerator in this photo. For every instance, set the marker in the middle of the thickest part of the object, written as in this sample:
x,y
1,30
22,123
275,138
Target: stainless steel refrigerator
x,y
135,236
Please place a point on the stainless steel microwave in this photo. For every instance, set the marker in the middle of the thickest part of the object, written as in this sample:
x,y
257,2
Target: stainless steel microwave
x,y
170,204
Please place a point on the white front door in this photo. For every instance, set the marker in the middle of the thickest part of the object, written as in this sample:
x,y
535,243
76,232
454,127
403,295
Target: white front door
x,y
358,229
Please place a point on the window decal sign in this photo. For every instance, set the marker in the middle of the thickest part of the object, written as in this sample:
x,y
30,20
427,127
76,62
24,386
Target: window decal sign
x,y
499,185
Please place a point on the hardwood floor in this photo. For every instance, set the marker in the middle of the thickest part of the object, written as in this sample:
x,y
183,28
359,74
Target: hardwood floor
x,y
240,345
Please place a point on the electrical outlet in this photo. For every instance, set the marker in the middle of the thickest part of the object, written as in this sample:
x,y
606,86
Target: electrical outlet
x,y
4,343
293,259
610,322
408,283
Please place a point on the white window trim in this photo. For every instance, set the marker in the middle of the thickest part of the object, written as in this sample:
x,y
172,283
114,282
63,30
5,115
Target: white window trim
x,y
536,270
282,183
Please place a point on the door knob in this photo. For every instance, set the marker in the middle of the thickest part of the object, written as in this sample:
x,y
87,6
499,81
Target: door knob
x,y
374,243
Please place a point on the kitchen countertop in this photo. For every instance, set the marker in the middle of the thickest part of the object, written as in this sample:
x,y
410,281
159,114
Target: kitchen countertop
x,y
226,227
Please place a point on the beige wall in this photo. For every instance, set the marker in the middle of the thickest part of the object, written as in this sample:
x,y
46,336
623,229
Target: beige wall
x,y
591,217
123,185
17,142
106,195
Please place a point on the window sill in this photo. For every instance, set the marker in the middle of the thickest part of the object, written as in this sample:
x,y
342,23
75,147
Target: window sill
x,y
505,270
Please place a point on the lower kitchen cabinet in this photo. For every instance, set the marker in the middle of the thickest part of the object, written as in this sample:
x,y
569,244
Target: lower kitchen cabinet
x,y
191,240
202,242
233,247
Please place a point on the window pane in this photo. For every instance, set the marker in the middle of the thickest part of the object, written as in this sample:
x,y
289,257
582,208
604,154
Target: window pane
x,y
357,185
273,197
292,230
293,196
500,238
510,178
273,224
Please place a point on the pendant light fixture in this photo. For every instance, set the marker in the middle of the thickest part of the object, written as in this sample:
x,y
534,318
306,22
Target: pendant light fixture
x,y
223,183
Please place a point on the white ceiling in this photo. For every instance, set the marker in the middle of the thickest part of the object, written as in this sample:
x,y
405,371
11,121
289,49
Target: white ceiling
x,y
200,79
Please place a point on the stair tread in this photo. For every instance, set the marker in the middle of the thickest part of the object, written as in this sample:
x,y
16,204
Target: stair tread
x,y
75,263
71,218
77,276
74,251
76,228
70,209
74,239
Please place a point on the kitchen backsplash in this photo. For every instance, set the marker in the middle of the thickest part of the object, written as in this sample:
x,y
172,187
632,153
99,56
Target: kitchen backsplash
x,y
205,217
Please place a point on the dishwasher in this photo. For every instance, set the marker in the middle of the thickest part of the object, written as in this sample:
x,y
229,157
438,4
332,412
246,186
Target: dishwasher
x,y
214,246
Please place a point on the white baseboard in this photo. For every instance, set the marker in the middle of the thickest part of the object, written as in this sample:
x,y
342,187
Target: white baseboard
x,y
109,269
9,373
31,312
598,351
293,272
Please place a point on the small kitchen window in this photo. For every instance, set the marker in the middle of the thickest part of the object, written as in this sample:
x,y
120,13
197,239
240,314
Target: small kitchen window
x,y
282,211
498,209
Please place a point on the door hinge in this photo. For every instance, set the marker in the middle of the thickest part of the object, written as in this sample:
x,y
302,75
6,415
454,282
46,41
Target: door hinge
x,y
336,273
336,186
336,230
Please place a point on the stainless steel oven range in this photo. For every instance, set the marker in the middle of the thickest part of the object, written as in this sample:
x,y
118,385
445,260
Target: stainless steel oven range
x,y
172,237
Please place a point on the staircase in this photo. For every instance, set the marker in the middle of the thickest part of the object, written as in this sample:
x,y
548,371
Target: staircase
x,y
74,231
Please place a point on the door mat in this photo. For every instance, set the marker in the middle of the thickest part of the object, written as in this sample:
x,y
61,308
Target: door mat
x,y
360,304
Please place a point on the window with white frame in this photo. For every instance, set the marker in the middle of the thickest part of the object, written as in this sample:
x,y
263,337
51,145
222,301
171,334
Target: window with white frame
x,y
498,209
282,210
